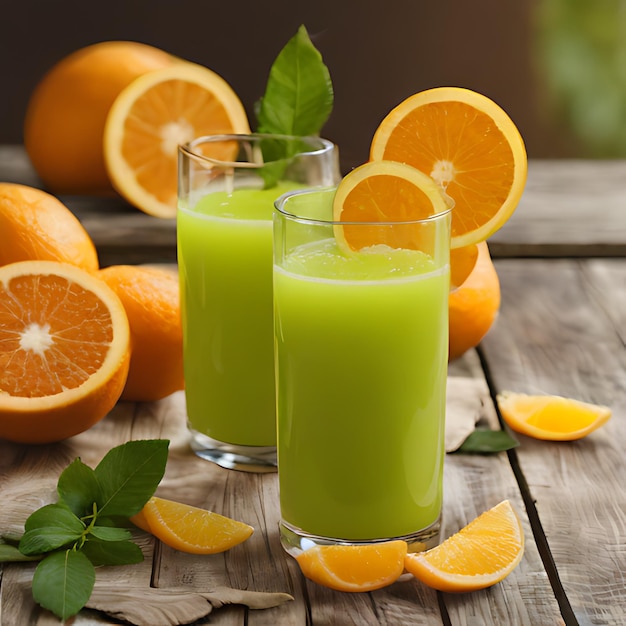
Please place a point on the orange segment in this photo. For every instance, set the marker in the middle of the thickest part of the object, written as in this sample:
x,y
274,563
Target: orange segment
x,y
385,191
354,567
189,528
481,554
469,146
64,351
551,417
151,117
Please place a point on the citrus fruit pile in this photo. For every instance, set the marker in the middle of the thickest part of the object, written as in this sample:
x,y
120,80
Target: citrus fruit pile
x,y
190,529
74,338
470,156
479,555
111,115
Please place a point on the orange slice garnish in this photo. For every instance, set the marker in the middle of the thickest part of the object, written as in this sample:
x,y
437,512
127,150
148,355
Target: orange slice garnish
x,y
469,146
385,192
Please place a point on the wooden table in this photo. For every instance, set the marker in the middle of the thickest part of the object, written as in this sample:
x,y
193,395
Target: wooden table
x,y
561,329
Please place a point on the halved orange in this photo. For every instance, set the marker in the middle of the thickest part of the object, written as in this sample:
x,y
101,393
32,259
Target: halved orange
x,y
469,146
550,417
151,117
385,192
64,350
354,567
190,529
480,555
67,110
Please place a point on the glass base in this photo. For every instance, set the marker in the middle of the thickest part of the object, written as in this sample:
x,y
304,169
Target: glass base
x,y
259,459
295,541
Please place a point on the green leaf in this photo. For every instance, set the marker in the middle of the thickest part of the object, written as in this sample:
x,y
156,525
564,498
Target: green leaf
x,y
486,441
129,474
49,528
78,488
10,553
112,552
299,94
107,533
63,583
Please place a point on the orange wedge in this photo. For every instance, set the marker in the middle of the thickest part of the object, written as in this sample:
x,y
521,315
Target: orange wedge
x,y
551,417
354,567
480,555
385,191
151,117
189,528
469,146
64,350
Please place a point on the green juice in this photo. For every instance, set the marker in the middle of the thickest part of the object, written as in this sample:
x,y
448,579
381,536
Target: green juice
x,y
362,362
225,266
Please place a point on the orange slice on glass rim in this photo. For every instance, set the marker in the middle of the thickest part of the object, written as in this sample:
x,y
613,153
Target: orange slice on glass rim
x,y
550,417
479,555
469,146
152,116
354,567
384,192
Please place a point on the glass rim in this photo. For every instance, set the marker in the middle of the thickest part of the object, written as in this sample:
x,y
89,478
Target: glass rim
x,y
187,148
281,200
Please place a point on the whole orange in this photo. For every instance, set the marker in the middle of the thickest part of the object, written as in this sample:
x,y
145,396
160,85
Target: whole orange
x,y
151,298
35,225
473,307
66,113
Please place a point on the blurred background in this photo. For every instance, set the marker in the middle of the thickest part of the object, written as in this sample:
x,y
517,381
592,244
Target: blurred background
x,y
558,67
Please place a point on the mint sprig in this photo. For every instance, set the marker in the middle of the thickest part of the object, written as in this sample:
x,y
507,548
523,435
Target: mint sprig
x,y
87,527
298,101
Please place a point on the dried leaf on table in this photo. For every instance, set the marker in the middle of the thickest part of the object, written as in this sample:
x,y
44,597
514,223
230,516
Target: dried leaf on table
x,y
467,403
174,607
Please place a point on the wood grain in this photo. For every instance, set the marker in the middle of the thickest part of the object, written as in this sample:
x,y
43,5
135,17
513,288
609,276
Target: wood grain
x,y
570,208
561,331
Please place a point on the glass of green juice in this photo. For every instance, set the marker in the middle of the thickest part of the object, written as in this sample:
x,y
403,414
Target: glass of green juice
x,y
361,351
227,188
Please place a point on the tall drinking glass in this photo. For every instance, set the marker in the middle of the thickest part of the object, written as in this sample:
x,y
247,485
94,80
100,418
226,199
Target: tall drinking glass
x,y
361,343
227,187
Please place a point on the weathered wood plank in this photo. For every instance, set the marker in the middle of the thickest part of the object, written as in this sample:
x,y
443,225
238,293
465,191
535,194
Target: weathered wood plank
x,y
561,331
472,484
569,208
